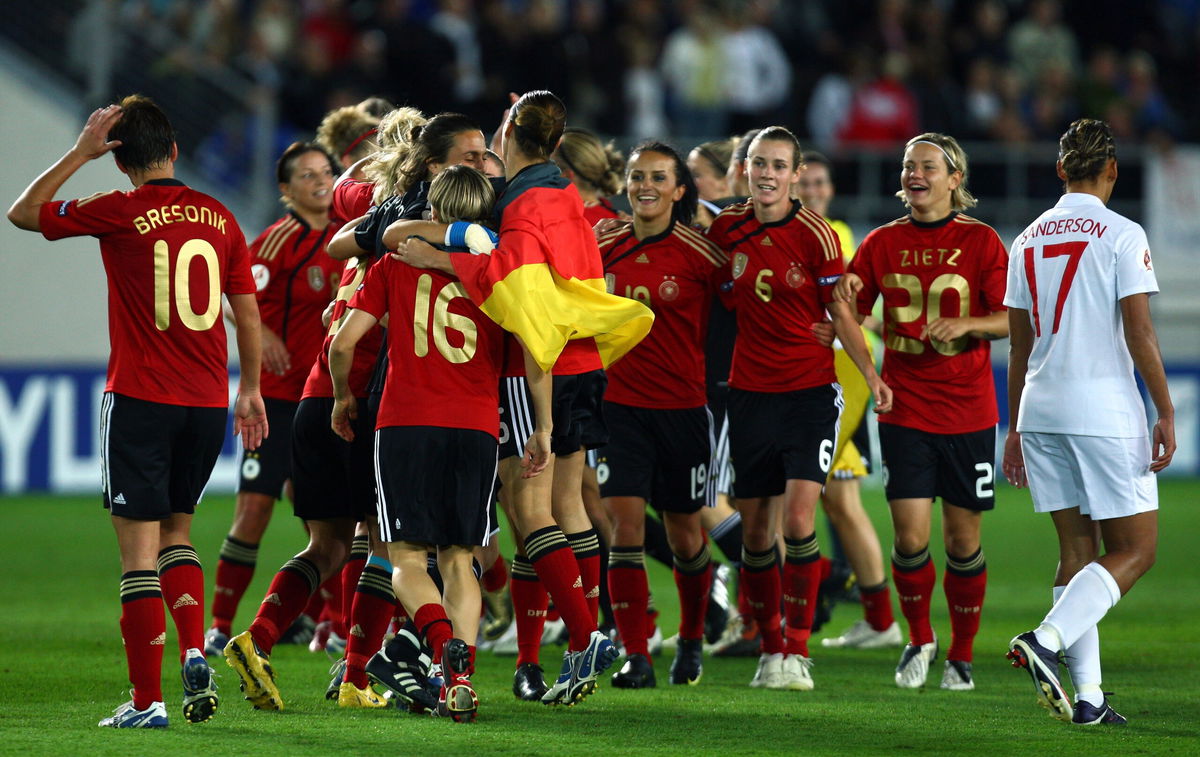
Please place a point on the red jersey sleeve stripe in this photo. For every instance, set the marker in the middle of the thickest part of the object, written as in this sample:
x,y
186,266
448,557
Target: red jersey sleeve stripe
x,y
822,231
85,200
262,250
277,239
710,251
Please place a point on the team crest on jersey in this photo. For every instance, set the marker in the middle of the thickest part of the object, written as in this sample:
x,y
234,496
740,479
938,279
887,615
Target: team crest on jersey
x,y
795,276
316,278
610,282
668,290
739,264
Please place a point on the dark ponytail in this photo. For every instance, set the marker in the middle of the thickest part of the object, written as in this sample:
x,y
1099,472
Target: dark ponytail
x,y
1084,150
538,121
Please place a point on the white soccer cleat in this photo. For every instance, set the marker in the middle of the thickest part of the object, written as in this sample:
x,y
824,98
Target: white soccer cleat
x,y
862,636
796,674
770,672
958,676
914,664
506,645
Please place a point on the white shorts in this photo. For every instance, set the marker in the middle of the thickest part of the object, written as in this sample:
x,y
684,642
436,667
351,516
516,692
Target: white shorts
x,y
1104,477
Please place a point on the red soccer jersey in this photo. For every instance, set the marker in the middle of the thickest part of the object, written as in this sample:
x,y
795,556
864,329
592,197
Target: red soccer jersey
x,y
952,268
296,279
320,383
444,354
593,214
351,199
783,275
170,252
675,274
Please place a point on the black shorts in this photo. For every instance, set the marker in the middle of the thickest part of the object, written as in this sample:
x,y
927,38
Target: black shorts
x,y
436,485
959,468
156,458
332,478
577,409
659,455
266,469
775,437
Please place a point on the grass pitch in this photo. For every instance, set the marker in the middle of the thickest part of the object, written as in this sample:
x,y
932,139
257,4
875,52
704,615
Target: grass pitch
x,y
62,668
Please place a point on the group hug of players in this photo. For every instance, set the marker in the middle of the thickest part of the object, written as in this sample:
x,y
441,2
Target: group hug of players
x,y
489,327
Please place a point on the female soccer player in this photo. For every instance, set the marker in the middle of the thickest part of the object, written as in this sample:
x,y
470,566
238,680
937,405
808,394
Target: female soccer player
x,y
784,398
169,253
542,223
594,168
296,279
941,275
1079,287
661,435
435,461
709,165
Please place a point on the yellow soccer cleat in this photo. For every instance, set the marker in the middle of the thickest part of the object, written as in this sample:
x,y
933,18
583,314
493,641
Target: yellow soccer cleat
x,y
350,695
254,670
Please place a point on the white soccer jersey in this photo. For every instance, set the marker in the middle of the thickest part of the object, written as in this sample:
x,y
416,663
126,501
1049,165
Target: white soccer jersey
x,y
1069,269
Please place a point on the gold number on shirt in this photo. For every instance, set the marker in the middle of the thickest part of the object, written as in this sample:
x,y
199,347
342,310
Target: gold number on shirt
x,y
919,303
639,293
191,249
761,287
442,319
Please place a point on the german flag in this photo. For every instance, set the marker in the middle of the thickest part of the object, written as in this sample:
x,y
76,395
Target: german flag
x,y
545,282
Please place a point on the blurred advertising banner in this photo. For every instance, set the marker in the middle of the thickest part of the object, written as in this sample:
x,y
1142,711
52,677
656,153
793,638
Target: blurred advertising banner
x,y
50,431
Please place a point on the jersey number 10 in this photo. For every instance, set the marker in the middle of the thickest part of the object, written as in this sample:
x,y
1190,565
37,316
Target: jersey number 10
x,y
191,249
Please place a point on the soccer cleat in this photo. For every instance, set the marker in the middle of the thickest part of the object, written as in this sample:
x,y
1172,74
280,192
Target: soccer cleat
x,y
126,716
686,667
506,645
557,692
588,665
655,643
1042,664
499,613
199,690
529,682
741,639
457,699
716,616
957,676
403,668
554,632
335,645
300,631
254,670
214,642
350,695
796,674
914,664
769,674
1087,713
862,636
320,636
636,673
337,671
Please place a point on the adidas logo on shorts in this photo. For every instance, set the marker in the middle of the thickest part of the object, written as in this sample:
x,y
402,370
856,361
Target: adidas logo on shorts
x,y
119,499
160,640
186,600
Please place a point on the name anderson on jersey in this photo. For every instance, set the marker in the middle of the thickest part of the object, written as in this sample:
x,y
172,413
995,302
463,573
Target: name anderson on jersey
x,y
1066,226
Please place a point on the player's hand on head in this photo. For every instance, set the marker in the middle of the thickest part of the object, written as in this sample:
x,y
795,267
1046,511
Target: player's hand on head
x,y
536,455
93,140
1013,462
847,288
344,411
1162,446
250,420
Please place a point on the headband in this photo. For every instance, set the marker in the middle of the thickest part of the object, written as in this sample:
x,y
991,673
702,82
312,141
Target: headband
x,y
358,141
949,160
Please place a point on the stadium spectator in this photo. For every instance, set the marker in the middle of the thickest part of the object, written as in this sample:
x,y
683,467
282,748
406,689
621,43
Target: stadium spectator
x,y
595,168
1078,434
693,67
1041,40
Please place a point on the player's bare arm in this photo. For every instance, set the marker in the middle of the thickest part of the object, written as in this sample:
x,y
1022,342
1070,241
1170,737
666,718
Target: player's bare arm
x,y
845,325
91,144
404,228
420,254
992,326
537,452
1020,345
249,412
343,246
1143,348
341,356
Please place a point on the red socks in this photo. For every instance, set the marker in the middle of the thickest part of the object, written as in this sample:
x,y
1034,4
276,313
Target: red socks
x,y
235,568
629,592
964,584
144,633
914,576
558,570
693,580
290,590
495,578
877,606
374,602
760,579
182,582
586,546
530,601
434,627
801,580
